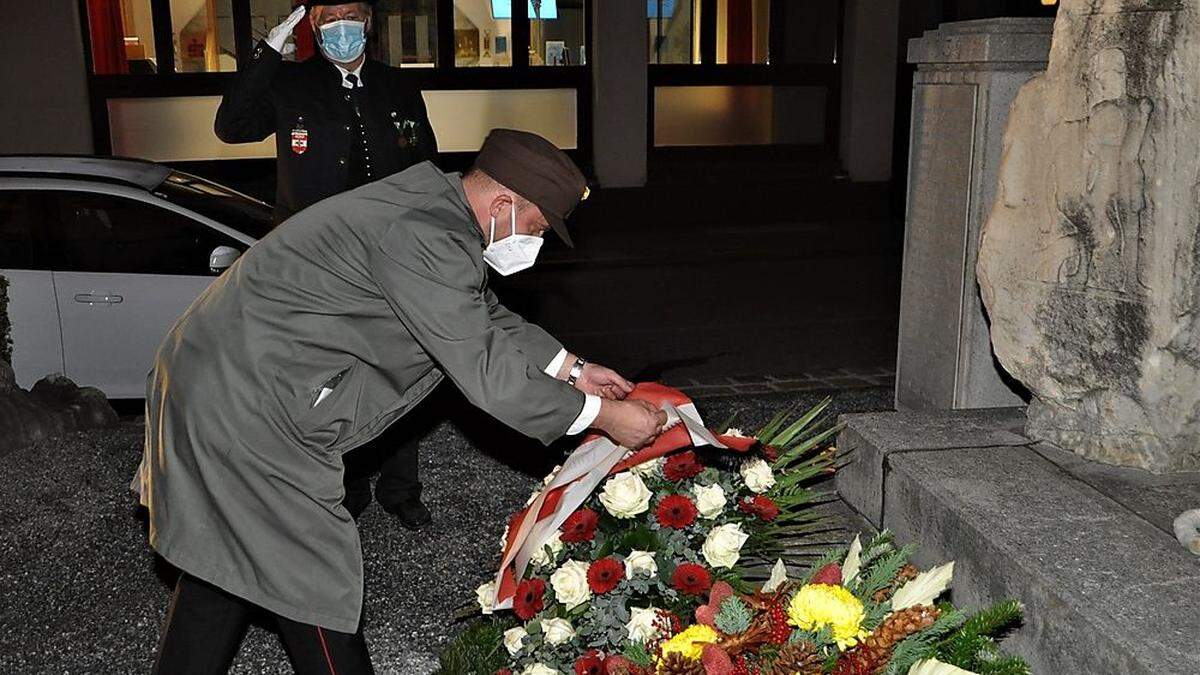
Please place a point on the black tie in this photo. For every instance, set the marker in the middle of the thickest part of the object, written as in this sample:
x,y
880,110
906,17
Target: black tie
x,y
353,80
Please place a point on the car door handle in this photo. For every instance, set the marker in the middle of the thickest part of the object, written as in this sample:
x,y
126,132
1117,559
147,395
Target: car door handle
x,y
98,299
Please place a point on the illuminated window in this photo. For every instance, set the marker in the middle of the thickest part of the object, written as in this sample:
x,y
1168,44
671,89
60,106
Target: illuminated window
x,y
482,37
122,37
407,32
743,31
203,34
266,14
556,32
674,31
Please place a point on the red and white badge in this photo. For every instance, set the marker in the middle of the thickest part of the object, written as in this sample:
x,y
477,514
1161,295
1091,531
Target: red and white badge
x,y
299,140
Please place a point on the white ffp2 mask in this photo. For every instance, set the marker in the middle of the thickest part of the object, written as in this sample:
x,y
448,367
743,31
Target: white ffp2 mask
x,y
513,253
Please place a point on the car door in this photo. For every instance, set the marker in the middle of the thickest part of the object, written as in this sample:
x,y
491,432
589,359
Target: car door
x,y
36,343
127,270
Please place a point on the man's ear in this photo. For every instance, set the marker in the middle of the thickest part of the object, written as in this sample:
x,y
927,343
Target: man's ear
x,y
498,204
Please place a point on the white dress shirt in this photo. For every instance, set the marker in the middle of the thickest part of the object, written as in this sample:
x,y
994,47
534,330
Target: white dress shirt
x,y
591,402
357,72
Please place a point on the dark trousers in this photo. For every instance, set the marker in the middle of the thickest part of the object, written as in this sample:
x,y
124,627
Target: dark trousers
x,y
205,625
394,455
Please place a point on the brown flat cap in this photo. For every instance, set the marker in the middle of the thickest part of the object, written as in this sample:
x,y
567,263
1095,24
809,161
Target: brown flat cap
x,y
532,167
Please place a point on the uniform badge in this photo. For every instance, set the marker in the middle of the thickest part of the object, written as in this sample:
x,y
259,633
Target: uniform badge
x,y
406,130
299,140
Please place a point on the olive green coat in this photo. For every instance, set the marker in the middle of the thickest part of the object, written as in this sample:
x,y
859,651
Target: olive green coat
x,y
375,293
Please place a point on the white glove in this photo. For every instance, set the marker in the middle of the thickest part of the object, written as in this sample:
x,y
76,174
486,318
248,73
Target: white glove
x,y
278,36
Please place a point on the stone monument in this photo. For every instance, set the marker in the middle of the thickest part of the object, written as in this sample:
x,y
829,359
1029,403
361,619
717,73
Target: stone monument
x,y
1088,265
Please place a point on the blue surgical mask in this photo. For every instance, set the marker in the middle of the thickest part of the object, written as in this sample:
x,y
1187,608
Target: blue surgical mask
x,y
343,41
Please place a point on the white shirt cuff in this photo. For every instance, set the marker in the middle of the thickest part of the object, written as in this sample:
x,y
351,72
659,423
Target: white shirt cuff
x,y
591,408
556,364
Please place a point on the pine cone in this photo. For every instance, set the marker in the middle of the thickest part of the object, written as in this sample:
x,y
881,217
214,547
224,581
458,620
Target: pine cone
x,y
872,655
906,573
800,658
678,664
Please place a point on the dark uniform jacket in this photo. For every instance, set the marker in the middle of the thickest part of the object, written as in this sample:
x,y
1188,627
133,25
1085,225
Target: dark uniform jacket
x,y
312,116
376,293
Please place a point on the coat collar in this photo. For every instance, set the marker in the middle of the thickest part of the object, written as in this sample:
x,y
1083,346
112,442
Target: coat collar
x,y
455,180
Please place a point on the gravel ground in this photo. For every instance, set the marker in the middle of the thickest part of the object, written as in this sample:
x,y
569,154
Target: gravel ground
x,y
84,594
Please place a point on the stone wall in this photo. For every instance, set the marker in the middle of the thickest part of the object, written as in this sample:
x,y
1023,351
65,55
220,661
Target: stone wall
x,y
1088,263
5,340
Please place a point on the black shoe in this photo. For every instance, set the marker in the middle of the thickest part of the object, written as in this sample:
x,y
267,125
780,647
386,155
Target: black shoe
x,y
357,502
411,512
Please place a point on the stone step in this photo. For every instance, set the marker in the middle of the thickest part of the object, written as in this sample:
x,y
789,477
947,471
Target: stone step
x,y
1107,589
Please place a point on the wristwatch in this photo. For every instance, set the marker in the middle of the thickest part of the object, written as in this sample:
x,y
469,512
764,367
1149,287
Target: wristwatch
x,y
576,371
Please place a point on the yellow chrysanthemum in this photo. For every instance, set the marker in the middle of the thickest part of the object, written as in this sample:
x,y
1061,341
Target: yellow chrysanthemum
x,y
690,642
818,606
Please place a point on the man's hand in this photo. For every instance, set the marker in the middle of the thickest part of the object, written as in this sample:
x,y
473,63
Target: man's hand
x,y
603,382
278,36
630,424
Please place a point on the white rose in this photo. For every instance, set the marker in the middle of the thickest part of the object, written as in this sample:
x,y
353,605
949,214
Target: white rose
x,y
558,631
758,476
570,584
541,557
640,562
642,624
625,495
710,500
539,669
513,638
486,595
723,545
735,432
648,469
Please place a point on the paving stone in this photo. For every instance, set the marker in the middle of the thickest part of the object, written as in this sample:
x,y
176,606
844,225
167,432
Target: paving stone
x,y
1105,590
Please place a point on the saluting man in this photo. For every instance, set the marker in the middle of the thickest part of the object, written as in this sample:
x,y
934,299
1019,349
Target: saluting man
x,y
326,331
339,122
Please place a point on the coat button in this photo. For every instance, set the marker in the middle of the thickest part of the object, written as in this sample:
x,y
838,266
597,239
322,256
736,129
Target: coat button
x,y
342,160
347,127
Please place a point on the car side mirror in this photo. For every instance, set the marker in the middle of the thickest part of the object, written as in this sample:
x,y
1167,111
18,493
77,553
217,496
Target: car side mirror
x,y
222,258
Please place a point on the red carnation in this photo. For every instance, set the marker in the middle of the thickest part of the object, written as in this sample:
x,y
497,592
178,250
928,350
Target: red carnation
x,y
504,671
830,574
691,579
604,575
682,466
580,526
589,664
770,452
676,511
528,601
760,506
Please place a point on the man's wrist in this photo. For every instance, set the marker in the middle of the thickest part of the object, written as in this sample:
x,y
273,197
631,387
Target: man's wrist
x,y
576,371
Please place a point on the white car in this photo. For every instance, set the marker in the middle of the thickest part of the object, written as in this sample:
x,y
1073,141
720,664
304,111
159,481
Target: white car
x,y
102,255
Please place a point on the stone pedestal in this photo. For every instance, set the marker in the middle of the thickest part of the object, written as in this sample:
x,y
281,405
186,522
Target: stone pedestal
x,y
967,76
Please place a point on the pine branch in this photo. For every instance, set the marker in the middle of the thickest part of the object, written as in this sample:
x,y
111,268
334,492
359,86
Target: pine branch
x,y
1008,665
923,645
883,573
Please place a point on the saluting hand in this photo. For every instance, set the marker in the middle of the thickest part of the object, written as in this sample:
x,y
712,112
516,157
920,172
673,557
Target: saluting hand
x,y
278,36
603,382
630,424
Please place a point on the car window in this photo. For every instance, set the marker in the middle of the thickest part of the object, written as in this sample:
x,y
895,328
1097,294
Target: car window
x,y
22,214
211,200
105,233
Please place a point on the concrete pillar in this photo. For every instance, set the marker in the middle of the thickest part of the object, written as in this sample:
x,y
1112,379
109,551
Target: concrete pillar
x,y
968,74
871,36
619,93
45,101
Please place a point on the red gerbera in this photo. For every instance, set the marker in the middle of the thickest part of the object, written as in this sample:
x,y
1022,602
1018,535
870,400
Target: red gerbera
x,y
760,506
682,466
676,511
580,526
589,664
604,575
691,579
528,601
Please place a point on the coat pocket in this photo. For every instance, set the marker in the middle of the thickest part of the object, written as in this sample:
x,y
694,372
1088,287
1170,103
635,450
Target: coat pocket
x,y
332,404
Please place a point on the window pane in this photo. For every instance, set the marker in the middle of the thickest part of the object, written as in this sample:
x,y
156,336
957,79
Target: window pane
x,y
674,30
203,35
266,14
811,29
743,31
482,33
211,200
556,33
103,233
739,115
122,36
20,212
406,32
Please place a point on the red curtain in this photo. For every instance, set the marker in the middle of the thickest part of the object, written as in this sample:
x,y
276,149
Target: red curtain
x,y
739,42
108,37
